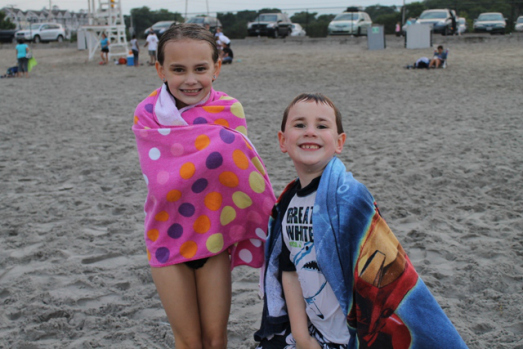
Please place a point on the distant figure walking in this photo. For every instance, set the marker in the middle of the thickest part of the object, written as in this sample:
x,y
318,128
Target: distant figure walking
x,y
104,43
398,29
136,50
21,55
152,44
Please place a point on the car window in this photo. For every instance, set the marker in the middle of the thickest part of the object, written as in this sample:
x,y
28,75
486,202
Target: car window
x,y
347,16
198,20
433,15
35,26
490,17
520,20
268,18
44,27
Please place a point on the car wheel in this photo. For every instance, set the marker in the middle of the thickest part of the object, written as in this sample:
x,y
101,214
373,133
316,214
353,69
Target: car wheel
x,y
60,38
37,39
276,33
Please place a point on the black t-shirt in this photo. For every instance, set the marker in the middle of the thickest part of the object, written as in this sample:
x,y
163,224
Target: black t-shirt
x,y
227,51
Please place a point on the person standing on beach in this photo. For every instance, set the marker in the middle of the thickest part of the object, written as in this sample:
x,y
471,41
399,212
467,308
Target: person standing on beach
x,y
152,44
22,50
209,195
335,275
104,54
136,50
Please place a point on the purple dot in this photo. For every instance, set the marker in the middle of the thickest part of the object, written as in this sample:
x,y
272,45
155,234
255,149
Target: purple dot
x,y
175,231
226,136
199,185
186,209
162,254
214,160
149,108
199,120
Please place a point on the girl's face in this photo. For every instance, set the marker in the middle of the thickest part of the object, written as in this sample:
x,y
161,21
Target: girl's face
x,y
189,70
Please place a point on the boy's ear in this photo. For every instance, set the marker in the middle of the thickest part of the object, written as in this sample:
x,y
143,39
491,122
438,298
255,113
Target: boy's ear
x,y
159,70
340,142
281,139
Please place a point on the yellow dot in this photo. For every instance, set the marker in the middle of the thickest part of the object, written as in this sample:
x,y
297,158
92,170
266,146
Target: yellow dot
x,y
187,170
242,130
215,243
154,93
237,110
135,119
162,216
214,109
229,179
226,98
174,195
257,163
153,234
240,159
256,182
222,122
241,199
213,201
188,249
202,142
228,215
202,224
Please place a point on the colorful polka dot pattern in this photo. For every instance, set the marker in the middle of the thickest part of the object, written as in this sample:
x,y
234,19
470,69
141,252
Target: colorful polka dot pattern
x,y
208,190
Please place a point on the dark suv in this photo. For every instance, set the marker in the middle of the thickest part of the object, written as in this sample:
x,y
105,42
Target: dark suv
x,y
270,24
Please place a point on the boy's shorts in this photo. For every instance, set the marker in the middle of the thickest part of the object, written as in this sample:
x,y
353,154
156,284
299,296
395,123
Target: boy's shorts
x,y
152,53
286,341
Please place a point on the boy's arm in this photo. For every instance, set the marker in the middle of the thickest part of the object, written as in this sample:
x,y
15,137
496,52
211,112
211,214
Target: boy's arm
x,y
296,308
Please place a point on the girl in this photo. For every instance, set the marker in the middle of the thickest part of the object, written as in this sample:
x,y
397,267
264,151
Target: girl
x,y
209,196
104,43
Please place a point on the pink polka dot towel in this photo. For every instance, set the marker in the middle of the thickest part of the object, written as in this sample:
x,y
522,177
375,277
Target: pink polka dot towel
x,y
208,190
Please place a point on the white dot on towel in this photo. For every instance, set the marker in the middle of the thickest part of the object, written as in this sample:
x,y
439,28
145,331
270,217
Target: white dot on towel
x,y
154,154
256,242
245,255
164,131
261,234
146,179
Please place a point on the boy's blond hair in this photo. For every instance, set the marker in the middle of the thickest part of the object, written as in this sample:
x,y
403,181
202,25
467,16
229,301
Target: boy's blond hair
x,y
317,98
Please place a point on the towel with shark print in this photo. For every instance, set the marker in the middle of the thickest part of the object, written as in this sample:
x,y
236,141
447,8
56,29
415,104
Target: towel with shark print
x,y
299,254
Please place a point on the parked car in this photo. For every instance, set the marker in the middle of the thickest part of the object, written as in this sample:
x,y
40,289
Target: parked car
x,y
270,24
490,22
519,24
297,30
462,25
350,23
40,32
213,22
159,28
439,19
8,35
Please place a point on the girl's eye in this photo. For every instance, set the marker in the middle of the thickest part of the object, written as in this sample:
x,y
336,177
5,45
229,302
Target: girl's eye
x,y
178,70
201,69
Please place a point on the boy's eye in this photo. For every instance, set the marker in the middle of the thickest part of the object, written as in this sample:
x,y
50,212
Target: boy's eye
x,y
321,127
300,125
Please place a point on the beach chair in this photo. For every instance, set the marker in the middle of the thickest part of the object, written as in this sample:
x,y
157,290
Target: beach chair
x,y
445,61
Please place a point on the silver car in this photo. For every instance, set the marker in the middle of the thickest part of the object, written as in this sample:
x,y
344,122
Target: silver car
x,y
40,32
519,24
350,23
490,22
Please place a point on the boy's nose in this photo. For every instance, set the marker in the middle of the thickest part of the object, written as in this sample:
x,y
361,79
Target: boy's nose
x,y
310,131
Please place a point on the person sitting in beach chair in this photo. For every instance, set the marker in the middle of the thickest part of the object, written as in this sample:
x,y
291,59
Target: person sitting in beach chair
x,y
440,58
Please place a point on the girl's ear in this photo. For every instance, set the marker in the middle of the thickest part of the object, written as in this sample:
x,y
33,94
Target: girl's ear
x,y
159,71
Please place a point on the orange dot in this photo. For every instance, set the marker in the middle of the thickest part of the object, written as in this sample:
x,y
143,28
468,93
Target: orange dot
x,y
222,122
202,224
187,170
135,119
148,255
154,93
247,143
214,109
213,201
162,216
240,159
153,234
202,142
174,195
188,249
229,179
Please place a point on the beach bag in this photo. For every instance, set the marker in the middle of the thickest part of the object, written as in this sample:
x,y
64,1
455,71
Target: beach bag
x,y
31,64
29,55
12,71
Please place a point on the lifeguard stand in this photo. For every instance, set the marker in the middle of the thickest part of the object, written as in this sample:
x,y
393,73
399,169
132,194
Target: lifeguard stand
x,y
105,16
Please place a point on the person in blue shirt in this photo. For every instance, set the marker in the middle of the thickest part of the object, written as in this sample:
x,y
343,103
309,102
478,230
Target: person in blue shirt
x,y
21,55
104,43
439,58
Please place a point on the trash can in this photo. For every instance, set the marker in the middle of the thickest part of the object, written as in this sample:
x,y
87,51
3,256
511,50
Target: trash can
x,y
376,38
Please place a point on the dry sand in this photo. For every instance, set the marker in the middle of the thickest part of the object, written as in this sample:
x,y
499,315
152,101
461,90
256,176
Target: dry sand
x,y
441,151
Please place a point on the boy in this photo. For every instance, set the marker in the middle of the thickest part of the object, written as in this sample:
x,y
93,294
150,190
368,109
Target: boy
x,y
439,58
335,276
152,44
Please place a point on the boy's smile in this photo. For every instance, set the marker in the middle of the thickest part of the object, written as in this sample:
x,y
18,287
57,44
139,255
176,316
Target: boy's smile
x,y
311,138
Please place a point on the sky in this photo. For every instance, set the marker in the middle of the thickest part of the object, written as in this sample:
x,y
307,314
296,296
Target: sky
x,y
192,7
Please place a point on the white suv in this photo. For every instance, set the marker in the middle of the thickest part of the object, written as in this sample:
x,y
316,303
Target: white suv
x,y
40,32
350,23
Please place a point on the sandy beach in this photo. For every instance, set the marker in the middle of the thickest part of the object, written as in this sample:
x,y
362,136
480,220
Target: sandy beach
x,y
440,150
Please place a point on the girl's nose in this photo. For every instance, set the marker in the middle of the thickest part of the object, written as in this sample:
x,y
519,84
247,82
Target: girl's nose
x,y
191,79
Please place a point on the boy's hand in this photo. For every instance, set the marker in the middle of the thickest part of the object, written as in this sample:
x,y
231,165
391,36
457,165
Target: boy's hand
x,y
311,343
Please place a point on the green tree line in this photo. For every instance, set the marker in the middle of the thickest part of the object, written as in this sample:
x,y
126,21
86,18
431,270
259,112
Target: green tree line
x,y
235,23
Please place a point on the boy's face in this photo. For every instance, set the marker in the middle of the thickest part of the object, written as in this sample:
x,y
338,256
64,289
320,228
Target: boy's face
x,y
311,137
